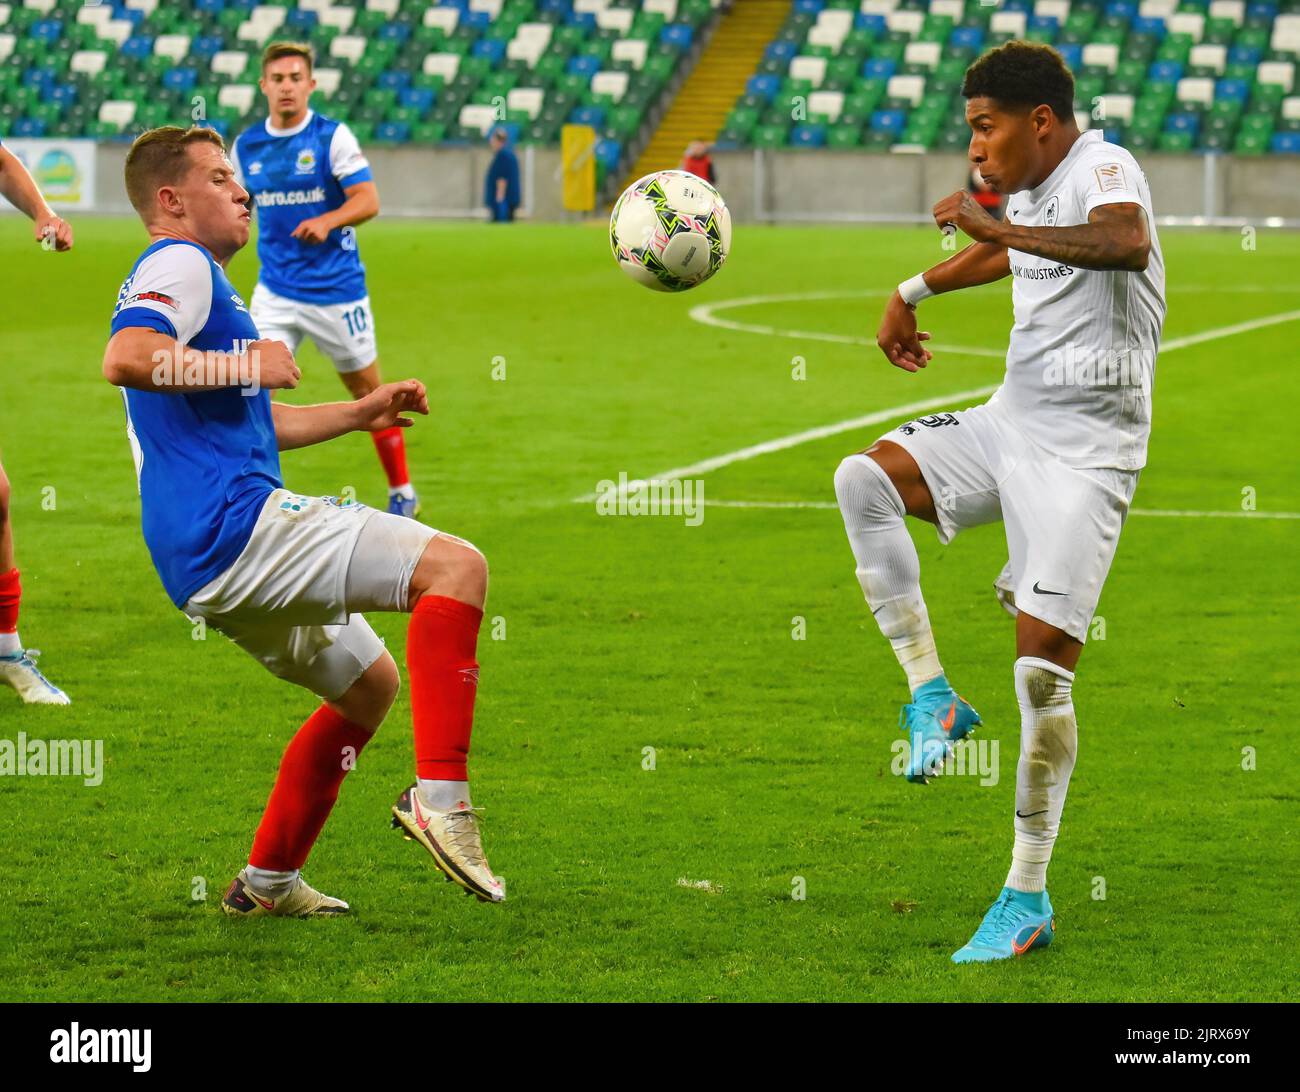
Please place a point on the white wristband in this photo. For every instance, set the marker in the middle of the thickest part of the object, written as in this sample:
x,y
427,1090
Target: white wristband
x,y
915,290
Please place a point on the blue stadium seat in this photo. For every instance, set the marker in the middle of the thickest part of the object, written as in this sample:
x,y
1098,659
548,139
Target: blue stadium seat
x,y
180,79
888,121
46,30
1149,24
395,132
132,15
205,45
1287,143
1044,22
871,21
217,125
209,7
808,136
393,80
301,19
808,7
1179,122
556,7
767,86
1125,9
479,20
494,49
588,115
29,127
609,152
417,98
780,51
583,65
677,34
1234,90
1262,9
880,68
63,94
137,47
966,38
584,19
1072,53
40,77
1017,5
1165,71
394,32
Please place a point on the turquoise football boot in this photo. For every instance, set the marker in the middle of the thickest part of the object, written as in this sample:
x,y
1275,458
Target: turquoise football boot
x,y
936,719
1017,923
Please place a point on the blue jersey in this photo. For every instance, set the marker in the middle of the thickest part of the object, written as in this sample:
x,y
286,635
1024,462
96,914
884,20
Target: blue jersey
x,y
206,461
294,175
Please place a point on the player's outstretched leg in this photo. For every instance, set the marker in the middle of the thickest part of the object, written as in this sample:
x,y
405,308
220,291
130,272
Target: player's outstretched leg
x,y
1022,918
17,664
447,594
311,773
890,574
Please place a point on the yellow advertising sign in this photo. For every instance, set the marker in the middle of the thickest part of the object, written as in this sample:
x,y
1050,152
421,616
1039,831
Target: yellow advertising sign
x,y
578,155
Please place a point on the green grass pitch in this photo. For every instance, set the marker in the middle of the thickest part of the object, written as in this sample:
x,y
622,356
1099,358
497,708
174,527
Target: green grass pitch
x,y
772,755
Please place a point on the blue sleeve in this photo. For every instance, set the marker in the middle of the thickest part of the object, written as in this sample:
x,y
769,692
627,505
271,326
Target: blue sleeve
x,y
356,177
142,316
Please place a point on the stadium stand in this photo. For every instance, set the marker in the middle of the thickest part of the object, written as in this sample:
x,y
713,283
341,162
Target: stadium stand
x,y
398,71
1169,75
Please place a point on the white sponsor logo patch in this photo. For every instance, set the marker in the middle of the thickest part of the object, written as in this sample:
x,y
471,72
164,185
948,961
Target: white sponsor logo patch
x,y
1110,176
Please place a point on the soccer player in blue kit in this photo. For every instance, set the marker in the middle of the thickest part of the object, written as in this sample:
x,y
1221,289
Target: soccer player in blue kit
x,y
312,186
286,577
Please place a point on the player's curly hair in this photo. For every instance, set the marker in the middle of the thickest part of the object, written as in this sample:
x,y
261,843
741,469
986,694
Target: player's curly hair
x,y
160,157
1025,74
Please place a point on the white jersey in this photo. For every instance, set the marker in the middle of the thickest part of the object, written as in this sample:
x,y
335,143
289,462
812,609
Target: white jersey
x,y
1081,361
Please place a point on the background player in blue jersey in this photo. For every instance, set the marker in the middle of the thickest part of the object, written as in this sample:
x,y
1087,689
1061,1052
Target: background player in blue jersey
x,y
312,186
18,665
286,577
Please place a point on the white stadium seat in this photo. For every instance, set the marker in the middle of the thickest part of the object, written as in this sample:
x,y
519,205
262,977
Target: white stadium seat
x,y
828,36
384,7
492,7
95,16
632,50
878,7
445,65
589,7
229,62
1279,72
1157,9
666,8
148,7
1083,120
911,88
1186,22
1196,89
175,46
478,116
1008,22
1286,33
328,80
1291,108
954,9
610,83
808,68
237,96
1115,108
1102,54
349,47
118,112
926,53
7,43
827,104
1209,55
88,62
340,18
1053,9
43,6
909,22
527,99
1229,9
619,19
270,16
445,19
529,43
116,31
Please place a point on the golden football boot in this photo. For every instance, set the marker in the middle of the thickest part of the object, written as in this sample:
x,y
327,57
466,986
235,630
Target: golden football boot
x,y
452,837
304,901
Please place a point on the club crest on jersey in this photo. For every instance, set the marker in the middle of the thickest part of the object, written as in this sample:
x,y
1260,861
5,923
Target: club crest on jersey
x,y
239,304
306,162
255,167
1049,214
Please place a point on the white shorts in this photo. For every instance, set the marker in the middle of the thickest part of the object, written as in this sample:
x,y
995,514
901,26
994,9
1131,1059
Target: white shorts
x,y
1062,522
293,597
343,332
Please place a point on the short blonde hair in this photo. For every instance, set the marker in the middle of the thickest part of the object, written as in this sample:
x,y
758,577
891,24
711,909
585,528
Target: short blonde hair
x,y
276,50
160,157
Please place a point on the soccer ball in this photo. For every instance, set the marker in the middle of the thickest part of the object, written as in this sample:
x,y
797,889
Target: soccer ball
x,y
670,231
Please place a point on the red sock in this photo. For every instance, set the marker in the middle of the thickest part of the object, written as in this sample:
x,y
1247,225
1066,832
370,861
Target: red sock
x,y
10,592
306,787
391,445
440,645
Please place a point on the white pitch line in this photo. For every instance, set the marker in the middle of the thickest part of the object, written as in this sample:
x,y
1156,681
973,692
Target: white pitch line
x,y
1171,512
781,443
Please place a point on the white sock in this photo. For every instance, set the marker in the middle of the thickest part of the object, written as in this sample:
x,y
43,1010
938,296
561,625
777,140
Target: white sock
x,y
269,884
1049,741
407,491
10,645
444,795
888,568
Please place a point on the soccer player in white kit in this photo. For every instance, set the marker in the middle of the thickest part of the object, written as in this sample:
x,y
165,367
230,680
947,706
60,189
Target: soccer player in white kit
x,y
18,664
1054,454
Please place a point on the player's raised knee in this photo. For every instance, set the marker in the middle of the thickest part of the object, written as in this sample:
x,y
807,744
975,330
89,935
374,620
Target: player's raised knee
x,y
367,701
451,567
